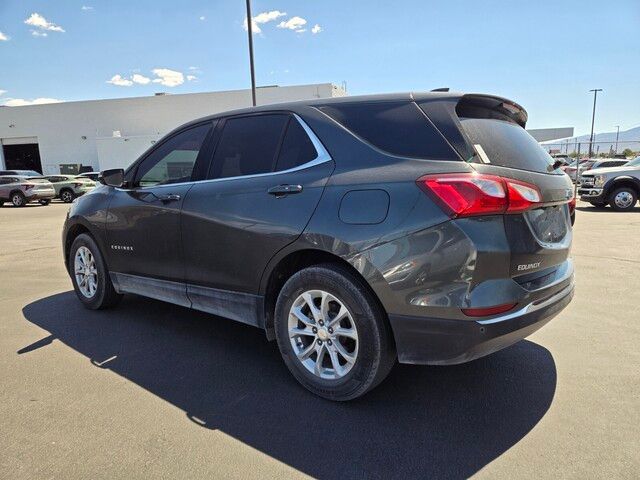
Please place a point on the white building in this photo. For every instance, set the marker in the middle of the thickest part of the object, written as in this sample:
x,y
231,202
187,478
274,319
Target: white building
x,y
112,133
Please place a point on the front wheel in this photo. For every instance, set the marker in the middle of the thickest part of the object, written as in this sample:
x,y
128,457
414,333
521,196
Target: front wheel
x,y
90,275
623,199
332,334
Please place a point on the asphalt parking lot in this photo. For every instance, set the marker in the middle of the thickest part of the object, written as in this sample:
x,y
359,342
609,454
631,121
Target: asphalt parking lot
x,y
154,390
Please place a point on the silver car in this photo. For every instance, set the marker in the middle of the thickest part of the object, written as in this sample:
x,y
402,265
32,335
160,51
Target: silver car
x,y
20,190
68,187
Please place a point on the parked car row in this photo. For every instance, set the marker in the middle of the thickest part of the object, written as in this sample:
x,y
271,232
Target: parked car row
x,y
587,164
23,186
617,186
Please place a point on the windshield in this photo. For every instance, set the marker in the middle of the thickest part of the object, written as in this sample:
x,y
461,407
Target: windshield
x,y
29,173
633,163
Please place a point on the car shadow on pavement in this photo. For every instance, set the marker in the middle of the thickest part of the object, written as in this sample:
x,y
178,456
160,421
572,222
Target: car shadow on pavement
x,y
444,422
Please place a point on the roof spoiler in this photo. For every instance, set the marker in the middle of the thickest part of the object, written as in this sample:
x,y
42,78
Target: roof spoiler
x,y
488,106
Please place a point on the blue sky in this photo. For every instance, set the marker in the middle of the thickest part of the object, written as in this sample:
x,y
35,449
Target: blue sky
x,y
543,54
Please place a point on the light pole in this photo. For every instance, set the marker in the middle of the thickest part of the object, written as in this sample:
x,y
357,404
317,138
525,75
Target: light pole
x,y
593,117
250,32
617,135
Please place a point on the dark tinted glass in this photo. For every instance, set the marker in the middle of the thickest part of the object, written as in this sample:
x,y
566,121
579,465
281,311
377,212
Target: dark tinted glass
x,y
507,145
173,160
399,128
248,146
296,149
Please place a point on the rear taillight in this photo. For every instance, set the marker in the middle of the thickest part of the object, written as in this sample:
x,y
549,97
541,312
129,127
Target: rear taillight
x,y
472,194
572,205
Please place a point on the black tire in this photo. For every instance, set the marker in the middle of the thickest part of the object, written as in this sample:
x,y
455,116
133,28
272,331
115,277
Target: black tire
x,y
627,206
44,203
598,204
18,199
67,196
376,353
105,295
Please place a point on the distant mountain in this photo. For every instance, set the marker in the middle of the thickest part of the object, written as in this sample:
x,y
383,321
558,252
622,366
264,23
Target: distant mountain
x,y
603,142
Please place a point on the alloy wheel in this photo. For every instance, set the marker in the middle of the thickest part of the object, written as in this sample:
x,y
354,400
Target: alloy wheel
x,y
66,197
323,334
86,272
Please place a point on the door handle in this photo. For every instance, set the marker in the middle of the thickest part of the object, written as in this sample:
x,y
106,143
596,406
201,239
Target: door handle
x,y
281,190
171,197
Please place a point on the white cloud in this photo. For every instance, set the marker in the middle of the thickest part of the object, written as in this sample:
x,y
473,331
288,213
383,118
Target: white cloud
x,y
262,18
191,78
21,102
3,37
202,17
168,78
294,23
316,29
38,21
140,79
36,33
120,81
86,8
2,92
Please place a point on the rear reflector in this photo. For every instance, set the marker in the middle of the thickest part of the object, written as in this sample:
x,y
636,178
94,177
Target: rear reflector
x,y
472,194
485,312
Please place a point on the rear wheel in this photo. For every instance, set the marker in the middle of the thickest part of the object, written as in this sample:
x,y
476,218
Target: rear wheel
x,y
332,334
18,199
623,199
67,196
598,204
44,203
90,275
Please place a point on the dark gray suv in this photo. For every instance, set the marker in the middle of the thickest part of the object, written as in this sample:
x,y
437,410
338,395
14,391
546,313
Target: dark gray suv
x,y
426,228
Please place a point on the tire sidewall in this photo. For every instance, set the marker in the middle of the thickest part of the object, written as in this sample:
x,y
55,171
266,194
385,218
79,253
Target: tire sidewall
x,y
612,202
97,300
364,315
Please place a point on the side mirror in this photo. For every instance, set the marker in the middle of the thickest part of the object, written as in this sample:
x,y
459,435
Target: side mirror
x,y
113,177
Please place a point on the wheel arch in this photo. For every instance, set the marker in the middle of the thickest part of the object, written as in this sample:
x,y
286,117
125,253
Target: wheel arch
x,y
624,181
72,233
14,191
292,263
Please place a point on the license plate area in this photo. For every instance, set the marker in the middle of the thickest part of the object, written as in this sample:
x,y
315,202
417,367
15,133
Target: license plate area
x,y
549,225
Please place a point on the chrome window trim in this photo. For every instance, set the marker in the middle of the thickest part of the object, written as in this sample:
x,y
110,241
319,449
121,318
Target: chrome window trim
x,y
322,157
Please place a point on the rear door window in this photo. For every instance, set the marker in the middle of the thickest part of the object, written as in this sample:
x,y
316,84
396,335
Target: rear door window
x,y
506,144
398,128
248,145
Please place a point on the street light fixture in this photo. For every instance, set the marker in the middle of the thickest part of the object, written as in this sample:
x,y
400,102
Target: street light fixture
x,y
593,117
250,32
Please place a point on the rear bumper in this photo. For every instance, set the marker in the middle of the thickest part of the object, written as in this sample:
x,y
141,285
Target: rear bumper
x,y
41,195
432,341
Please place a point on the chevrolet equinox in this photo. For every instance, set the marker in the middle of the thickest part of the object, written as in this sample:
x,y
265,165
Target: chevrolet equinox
x,y
429,228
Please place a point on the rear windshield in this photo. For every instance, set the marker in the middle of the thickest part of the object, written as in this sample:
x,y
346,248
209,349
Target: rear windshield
x,y
507,145
398,128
